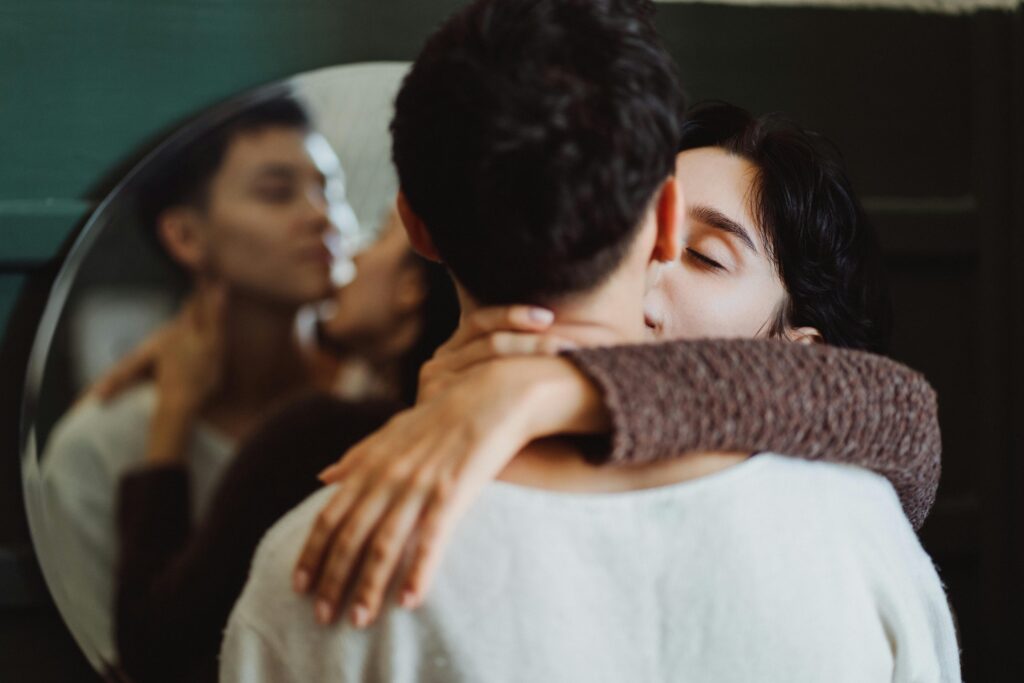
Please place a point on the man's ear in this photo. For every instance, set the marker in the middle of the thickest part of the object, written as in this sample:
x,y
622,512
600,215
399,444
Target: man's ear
x,y
177,231
669,214
804,335
419,238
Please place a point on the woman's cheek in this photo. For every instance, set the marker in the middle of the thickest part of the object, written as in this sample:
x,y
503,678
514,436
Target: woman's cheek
x,y
702,307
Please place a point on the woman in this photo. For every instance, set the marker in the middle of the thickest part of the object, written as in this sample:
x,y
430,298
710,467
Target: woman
x,y
777,247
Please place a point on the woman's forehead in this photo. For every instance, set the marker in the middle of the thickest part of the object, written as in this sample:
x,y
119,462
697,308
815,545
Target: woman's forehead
x,y
715,178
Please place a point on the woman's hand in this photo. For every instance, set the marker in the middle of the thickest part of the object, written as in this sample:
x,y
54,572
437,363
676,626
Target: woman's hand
x,y
406,486
186,360
189,357
485,335
200,317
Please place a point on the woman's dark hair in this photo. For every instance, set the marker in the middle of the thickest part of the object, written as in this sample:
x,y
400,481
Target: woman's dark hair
x,y
530,136
813,226
439,316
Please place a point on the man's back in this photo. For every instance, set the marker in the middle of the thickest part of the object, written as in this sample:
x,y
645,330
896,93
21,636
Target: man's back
x,y
775,569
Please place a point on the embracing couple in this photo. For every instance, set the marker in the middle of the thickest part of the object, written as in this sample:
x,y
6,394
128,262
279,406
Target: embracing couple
x,y
743,523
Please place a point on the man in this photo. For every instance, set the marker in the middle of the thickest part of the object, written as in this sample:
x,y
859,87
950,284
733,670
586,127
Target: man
x,y
535,142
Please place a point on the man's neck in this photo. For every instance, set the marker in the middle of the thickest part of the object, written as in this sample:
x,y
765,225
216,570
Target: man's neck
x,y
612,317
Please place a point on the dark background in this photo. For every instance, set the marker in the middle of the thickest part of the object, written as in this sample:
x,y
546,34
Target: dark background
x,y
928,108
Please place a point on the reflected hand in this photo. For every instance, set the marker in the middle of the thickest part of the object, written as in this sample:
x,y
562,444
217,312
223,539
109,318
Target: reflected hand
x,y
134,368
406,486
140,364
189,353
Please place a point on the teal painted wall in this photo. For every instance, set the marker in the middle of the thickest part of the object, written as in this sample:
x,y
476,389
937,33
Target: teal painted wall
x,y
85,84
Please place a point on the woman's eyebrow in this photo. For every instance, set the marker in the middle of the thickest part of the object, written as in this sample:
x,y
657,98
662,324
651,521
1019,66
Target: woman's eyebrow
x,y
718,220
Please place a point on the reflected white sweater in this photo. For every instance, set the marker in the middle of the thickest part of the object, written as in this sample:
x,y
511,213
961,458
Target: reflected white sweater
x,y
777,569
90,449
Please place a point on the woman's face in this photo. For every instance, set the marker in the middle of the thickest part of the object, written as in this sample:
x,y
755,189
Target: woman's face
x,y
724,285
265,228
386,290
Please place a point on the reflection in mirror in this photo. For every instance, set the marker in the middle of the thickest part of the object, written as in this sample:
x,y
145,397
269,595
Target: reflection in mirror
x,y
253,258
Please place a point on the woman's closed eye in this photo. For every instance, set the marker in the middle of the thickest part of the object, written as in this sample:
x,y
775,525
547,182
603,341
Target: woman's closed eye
x,y
703,260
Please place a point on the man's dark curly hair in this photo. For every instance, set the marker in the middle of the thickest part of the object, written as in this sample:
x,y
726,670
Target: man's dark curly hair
x,y
813,226
530,136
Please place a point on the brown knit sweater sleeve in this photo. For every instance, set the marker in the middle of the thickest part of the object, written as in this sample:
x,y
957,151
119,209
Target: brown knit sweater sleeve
x,y
811,401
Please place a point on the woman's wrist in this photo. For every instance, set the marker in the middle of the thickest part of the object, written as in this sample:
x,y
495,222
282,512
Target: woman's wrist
x,y
553,397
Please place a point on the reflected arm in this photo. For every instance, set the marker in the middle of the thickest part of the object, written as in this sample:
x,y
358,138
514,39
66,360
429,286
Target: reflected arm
x,y
176,585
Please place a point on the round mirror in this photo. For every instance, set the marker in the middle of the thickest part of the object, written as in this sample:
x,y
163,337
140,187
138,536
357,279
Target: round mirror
x,y
256,207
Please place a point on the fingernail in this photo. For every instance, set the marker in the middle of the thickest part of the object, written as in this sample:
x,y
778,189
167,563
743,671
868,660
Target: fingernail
x,y
407,599
542,315
360,616
324,613
301,581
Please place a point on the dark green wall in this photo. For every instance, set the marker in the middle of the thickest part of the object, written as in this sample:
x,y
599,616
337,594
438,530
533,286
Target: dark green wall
x,y
929,110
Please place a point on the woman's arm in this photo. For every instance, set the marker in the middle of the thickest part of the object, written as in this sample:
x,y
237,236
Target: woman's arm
x,y
411,481
810,401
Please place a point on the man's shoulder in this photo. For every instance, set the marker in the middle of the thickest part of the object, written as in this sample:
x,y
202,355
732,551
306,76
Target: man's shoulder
x,y
814,502
279,549
268,603
782,475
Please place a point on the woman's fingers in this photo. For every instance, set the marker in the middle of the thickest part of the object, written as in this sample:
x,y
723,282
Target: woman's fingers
x,y
207,306
346,551
436,525
384,551
133,368
495,319
441,371
318,543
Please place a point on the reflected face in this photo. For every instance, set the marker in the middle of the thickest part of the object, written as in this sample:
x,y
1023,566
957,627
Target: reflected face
x,y
386,289
725,285
265,227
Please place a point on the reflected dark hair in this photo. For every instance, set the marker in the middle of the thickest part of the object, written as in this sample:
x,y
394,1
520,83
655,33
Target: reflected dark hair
x,y
814,228
530,136
183,177
439,316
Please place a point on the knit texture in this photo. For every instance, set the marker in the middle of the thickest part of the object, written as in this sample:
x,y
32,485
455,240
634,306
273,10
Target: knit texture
x,y
812,401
